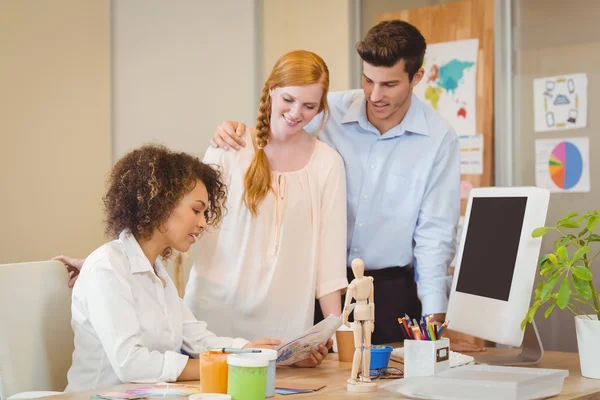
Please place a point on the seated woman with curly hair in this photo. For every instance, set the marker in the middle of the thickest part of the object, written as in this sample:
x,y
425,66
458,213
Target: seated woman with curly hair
x,y
129,322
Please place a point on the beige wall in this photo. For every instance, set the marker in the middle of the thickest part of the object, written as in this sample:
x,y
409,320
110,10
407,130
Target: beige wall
x,y
180,68
320,26
540,52
371,9
55,126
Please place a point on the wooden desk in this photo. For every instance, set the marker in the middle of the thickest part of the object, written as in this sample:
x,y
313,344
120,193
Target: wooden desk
x,y
334,375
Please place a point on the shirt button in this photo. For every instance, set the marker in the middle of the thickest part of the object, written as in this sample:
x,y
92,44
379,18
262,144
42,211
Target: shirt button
x,y
355,250
366,196
360,225
372,167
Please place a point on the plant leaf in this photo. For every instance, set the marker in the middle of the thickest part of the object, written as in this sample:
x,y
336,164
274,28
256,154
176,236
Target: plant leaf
x,y
582,273
564,293
582,287
583,232
523,323
594,237
548,286
532,311
544,261
541,231
538,291
579,253
547,269
562,253
549,310
568,223
570,215
592,223
552,259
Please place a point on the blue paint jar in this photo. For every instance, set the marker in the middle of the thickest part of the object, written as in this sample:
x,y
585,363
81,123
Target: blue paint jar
x,y
380,356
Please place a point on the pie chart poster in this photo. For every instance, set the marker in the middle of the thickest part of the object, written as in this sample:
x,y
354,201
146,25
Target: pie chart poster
x,y
563,165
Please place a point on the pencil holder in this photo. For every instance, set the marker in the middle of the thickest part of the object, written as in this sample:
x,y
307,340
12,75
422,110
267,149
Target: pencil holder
x,y
426,357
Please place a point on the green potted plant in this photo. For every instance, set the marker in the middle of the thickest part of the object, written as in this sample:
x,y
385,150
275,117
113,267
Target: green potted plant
x,y
567,283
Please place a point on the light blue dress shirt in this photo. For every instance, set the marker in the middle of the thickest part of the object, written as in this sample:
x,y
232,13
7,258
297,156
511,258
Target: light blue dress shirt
x,y
403,190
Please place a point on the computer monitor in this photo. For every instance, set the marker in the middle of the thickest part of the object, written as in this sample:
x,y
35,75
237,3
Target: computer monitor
x,y
497,263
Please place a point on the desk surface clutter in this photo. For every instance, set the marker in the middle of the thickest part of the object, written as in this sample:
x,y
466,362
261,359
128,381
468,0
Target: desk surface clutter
x,y
334,374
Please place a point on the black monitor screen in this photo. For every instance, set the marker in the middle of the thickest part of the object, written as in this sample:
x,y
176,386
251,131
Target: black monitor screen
x,y
491,245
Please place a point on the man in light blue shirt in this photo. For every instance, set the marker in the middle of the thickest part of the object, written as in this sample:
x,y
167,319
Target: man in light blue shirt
x,y
403,171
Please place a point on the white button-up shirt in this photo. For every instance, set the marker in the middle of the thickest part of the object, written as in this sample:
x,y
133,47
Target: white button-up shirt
x,y
128,326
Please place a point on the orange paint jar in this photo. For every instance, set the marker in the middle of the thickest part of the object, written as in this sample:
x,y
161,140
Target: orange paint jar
x,y
213,372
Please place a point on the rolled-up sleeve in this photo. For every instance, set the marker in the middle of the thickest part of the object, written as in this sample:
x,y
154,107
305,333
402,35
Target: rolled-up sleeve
x,y
331,249
112,314
435,230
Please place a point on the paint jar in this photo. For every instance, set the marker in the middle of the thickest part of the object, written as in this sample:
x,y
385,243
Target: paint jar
x,y
271,356
247,377
380,356
213,372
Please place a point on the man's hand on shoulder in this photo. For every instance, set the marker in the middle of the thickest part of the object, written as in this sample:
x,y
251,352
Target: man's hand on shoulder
x,y
229,135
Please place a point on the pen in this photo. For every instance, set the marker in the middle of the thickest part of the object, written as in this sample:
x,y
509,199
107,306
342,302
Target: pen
x,y
232,350
416,332
405,326
439,332
424,331
409,325
431,332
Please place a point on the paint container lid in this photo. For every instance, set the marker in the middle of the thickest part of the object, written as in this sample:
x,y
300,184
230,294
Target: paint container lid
x,y
210,396
246,360
267,354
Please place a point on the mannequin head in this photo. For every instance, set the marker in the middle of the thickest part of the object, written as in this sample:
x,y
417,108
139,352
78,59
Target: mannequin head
x,y
358,268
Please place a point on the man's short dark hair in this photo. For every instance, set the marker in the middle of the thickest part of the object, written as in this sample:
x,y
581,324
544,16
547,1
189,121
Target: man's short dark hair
x,y
391,41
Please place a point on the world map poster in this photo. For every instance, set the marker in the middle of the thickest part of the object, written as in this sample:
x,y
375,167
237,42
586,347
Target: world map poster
x,y
450,82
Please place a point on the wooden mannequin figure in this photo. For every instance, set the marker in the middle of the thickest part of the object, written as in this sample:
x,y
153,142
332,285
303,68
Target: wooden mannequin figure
x,y
361,289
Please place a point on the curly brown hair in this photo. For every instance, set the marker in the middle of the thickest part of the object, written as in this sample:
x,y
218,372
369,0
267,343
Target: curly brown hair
x,y
146,185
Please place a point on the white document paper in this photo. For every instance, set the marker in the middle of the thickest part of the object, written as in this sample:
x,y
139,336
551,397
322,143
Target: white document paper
x,y
299,347
560,102
563,165
471,154
450,82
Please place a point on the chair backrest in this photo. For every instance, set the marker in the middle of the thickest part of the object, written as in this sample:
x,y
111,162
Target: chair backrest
x,y
36,339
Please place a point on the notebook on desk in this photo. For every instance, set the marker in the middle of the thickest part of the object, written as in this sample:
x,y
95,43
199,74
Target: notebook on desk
x,y
456,359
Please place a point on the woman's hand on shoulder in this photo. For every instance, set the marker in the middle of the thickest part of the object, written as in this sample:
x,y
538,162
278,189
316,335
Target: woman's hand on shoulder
x,y
73,266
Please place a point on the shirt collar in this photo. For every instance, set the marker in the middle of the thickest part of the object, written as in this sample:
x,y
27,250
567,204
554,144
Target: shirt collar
x,y
138,260
414,121
357,110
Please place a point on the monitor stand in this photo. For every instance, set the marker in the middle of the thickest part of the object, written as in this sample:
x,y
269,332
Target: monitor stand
x,y
531,353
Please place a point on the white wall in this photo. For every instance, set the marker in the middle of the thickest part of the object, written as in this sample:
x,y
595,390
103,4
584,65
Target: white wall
x,y
55,126
180,68
322,26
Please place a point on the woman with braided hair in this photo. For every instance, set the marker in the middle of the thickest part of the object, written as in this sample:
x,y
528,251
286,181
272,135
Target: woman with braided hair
x,y
282,243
